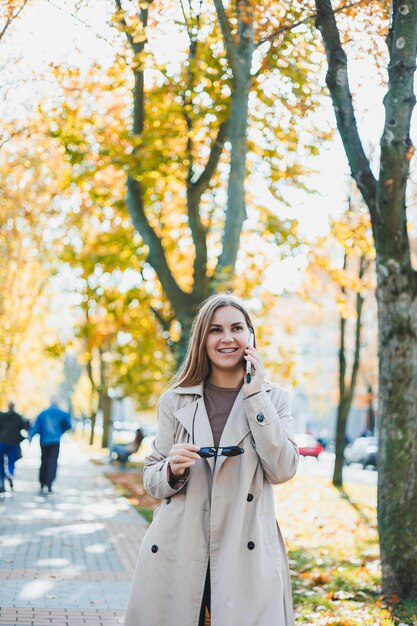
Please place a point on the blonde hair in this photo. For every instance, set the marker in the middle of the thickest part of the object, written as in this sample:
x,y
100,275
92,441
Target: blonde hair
x,y
196,365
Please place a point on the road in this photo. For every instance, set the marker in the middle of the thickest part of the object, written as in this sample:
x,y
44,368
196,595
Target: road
x,y
324,467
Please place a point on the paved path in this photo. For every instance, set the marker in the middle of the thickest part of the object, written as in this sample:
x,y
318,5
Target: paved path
x,y
67,558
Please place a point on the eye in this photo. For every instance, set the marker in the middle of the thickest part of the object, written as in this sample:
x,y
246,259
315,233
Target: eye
x,y
238,328
214,330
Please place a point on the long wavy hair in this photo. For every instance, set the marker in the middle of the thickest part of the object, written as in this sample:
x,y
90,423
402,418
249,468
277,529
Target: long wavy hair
x,y
196,365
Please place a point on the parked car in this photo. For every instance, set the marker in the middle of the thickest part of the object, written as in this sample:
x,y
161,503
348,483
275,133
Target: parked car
x,y
308,446
362,450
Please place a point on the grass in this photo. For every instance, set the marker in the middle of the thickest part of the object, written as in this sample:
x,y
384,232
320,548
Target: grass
x,y
332,542
129,484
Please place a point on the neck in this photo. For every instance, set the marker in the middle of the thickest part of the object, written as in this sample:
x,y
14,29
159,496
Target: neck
x,y
228,380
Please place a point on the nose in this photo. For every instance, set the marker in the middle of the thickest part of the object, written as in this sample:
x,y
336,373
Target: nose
x,y
227,337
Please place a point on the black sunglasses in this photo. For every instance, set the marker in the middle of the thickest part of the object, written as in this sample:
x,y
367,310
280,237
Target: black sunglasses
x,y
206,453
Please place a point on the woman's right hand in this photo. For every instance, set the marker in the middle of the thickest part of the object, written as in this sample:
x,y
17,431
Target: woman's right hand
x,y
181,456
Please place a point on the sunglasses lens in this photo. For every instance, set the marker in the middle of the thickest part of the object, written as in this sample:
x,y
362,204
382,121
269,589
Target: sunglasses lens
x,y
232,451
206,453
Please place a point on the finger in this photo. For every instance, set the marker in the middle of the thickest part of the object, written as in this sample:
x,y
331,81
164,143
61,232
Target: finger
x,y
255,362
182,464
179,461
192,456
186,454
253,353
179,468
185,446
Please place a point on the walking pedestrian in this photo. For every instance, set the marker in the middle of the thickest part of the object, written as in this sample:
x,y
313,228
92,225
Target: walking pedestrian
x,y
50,425
224,438
11,425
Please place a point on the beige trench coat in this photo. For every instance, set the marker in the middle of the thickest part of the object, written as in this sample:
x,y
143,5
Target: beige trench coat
x,y
223,514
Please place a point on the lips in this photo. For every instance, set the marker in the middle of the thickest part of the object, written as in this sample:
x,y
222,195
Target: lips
x,y
227,350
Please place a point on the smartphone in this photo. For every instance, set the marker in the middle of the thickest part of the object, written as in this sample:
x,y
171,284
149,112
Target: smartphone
x,y
251,342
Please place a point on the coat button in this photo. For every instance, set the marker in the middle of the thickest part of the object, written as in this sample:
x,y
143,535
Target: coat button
x,y
251,545
154,549
260,418
250,497
168,500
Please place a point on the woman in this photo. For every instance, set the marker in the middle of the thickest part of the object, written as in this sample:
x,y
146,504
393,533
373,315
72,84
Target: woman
x,y
214,541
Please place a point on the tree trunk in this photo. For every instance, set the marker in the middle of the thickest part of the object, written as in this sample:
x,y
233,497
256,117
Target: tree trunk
x,y
185,319
397,455
93,427
106,405
347,389
396,282
240,60
93,392
342,415
236,189
370,413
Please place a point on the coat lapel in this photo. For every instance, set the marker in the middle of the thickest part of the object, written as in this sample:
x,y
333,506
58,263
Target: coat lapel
x,y
194,418
236,428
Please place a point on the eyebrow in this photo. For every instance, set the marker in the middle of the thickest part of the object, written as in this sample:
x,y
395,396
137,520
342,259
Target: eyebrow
x,y
221,325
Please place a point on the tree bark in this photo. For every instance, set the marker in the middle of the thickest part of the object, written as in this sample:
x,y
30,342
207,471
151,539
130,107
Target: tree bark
x,y
105,402
93,394
106,406
397,456
396,284
370,413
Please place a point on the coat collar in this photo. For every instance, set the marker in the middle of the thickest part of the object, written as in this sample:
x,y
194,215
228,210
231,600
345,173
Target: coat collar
x,y
198,389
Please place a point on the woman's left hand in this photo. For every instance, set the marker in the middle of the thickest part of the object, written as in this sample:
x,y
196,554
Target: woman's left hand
x,y
258,372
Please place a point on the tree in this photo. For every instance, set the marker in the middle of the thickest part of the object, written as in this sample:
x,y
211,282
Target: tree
x,y
29,185
386,199
339,265
118,342
205,105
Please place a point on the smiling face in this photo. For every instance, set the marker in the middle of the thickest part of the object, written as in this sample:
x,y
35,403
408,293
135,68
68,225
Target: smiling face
x,y
226,340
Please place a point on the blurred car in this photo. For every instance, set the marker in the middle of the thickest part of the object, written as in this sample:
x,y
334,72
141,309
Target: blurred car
x,y
308,446
362,450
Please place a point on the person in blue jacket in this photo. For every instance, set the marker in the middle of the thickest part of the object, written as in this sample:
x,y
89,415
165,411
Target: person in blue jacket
x,y
50,425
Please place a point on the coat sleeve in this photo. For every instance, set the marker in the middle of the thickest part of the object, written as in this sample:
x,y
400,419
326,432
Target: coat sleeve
x,y
156,469
270,422
35,429
65,422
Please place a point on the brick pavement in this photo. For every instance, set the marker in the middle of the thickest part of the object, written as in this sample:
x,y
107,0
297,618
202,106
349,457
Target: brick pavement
x,y
67,558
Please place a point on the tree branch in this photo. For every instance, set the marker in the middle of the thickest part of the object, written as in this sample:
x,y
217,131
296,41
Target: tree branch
x,y
11,19
80,21
229,44
312,16
156,256
165,323
137,47
338,83
200,185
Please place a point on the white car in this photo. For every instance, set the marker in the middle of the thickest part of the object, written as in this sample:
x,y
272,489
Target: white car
x,y
363,450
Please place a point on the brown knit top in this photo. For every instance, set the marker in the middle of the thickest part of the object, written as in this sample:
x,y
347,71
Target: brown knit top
x,y
219,402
